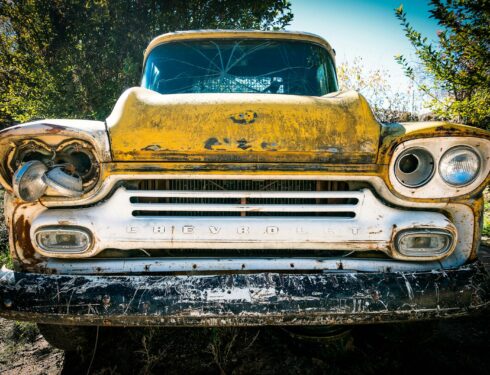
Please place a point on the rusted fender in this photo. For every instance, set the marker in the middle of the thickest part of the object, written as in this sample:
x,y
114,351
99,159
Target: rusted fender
x,y
243,299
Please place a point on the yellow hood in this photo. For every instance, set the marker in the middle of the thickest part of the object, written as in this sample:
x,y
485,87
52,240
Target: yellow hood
x,y
337,128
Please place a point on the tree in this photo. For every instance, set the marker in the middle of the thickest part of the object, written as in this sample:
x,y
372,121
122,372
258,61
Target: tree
x,y
459,64
73,58
387,103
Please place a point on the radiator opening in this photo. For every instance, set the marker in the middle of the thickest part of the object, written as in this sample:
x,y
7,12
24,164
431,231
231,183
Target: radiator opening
x,y
141,213
301,198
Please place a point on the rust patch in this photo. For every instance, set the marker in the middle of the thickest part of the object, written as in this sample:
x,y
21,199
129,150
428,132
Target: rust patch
x,y
55,129
22,230
446,129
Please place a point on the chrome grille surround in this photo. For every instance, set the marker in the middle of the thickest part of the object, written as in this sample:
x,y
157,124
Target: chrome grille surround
x,y
460,214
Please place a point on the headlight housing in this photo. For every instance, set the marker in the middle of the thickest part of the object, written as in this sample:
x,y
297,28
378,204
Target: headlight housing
x,y
459,166
69,169
414,167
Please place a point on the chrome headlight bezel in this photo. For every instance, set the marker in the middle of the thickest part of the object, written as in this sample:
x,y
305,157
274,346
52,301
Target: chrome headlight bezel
x,y
436,187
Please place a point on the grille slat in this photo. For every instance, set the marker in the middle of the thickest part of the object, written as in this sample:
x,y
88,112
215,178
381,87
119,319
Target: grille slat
x,y
239,185
242,207
243,198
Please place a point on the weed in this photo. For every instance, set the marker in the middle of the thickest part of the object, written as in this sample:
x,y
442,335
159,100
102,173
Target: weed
x,y
4,251
24,332
151,351
486,214
223,345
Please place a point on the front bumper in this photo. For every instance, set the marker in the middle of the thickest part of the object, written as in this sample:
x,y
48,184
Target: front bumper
x,y
342,297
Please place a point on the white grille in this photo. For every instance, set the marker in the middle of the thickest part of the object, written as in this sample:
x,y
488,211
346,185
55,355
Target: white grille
x,y
151,203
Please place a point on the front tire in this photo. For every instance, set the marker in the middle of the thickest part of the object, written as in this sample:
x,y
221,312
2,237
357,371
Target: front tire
x,y
68,338
321,341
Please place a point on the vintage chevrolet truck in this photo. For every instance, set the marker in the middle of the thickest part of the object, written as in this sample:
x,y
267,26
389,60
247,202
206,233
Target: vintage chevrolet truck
x,y
238,186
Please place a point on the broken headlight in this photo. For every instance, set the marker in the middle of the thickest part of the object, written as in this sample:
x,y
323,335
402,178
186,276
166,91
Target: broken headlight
x,y
28,182
68,170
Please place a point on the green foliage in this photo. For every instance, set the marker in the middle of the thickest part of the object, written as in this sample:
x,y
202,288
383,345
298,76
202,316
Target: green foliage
x,y
459,64
23,332
72,58
486,215
5,258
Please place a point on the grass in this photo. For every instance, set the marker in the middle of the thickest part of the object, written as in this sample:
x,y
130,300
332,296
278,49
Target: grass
x,y
486,217
24,332
4,250
15,336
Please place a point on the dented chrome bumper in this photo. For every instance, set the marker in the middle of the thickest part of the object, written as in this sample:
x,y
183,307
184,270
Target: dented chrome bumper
x,y
333,297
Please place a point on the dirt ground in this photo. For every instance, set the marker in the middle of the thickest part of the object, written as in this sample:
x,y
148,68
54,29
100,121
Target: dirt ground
x,y
456,346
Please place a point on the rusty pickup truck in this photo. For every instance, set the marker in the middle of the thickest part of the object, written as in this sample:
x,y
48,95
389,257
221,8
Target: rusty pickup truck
x,y
238,186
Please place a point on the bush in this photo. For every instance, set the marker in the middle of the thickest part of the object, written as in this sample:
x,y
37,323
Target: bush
x,y
4,251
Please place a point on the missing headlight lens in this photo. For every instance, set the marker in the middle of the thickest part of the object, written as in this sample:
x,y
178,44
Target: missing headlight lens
x,y
459,166
414,167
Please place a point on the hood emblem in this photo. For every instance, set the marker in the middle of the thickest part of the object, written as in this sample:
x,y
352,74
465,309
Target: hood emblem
x,y
244,118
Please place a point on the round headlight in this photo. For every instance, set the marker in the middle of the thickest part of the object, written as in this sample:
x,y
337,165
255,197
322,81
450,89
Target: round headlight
x,y
28,181
414,167
459,166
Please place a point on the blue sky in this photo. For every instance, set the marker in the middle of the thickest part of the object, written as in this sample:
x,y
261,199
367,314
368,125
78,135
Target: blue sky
x,y
365,28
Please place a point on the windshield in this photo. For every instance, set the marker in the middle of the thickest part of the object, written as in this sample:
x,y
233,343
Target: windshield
x,y
240,66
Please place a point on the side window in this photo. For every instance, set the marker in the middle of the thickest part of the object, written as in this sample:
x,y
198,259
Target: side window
x,y
331,78
321,78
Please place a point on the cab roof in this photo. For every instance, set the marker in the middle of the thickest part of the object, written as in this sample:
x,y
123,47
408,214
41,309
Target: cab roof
x,y
238,34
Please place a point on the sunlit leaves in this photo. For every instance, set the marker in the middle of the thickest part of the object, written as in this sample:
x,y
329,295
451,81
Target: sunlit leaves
x,y
388,103
459,63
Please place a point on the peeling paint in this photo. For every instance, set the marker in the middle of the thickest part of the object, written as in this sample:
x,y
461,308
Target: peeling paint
x,y
247,117
152,148
211,142
244,299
